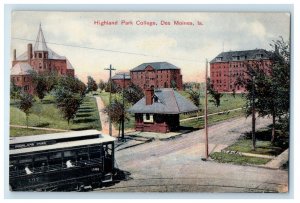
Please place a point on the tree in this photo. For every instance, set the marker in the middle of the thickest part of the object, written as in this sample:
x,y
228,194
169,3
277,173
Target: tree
x,y
268,91
26,102
216,96
195,97
39,81
41,87
274,87
114,87
72,84
68,102
52,79
101,85
69,94
15,91
133,93
116,110
91,85
251,80
173,84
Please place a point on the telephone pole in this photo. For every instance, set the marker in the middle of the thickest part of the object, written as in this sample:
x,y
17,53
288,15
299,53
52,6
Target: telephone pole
x,y
123,103
110,84
123,114
206,112
253,114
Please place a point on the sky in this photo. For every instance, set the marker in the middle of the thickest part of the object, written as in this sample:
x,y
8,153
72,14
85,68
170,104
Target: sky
x,y
185,46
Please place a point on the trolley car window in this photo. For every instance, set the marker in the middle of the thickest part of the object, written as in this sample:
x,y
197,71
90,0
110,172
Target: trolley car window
x,y
40,163
69,159
95,152
55,161
82,154
26,160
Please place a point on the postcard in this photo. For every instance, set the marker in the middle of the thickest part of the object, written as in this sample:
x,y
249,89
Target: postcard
x,y
149,101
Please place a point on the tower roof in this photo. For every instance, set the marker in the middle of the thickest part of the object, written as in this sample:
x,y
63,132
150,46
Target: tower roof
x,y
40,43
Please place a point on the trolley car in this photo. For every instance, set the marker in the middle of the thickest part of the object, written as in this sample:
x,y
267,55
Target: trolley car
x,y
61,161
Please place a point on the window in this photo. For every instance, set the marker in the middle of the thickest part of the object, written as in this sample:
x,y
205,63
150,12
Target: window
x,y
219,58
40,55
148,118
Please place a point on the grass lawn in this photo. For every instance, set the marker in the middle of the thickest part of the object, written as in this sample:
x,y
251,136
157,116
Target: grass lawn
x,y
199,123
227,102
244,144
236,159
46,114
262,147
15,132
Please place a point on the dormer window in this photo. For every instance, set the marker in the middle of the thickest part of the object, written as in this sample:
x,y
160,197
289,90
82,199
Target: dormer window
x,y
243,57
259,56
219,58
236,58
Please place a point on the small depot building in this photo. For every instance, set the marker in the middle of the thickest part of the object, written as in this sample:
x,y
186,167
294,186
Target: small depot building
x,y
159,110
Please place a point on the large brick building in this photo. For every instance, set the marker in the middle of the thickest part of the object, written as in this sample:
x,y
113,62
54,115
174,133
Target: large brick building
x,y
121,80
156,75
39,58
228,66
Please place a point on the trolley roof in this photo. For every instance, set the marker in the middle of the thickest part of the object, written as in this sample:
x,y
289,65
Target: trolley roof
x,y
63,145
54,136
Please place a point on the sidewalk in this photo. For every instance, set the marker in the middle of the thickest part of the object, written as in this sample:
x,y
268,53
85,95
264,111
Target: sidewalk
x,y
157,136
104,118
278,161
39,128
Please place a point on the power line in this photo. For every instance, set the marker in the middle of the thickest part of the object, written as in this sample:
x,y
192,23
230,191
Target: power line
x,y
110,50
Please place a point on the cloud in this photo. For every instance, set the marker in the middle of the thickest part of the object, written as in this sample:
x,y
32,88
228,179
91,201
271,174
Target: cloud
x,y
257,29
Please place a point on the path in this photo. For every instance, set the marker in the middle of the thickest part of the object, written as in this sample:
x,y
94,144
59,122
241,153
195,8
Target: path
x,y
38,128
104,118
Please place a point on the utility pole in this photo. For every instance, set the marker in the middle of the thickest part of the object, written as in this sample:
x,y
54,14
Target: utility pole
x,y
253,114
123,113
123,103
206,112
110,84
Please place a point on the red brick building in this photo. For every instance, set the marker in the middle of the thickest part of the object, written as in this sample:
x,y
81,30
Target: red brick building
x,y
156,75
228,66
159,110
39,58
121,81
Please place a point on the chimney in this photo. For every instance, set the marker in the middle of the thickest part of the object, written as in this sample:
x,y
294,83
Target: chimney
x,y
29,52
15,54
149,93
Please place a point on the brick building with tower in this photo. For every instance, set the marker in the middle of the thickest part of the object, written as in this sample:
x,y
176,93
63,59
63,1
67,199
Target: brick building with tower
x,y
159,109
227,67
156,75
39,58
